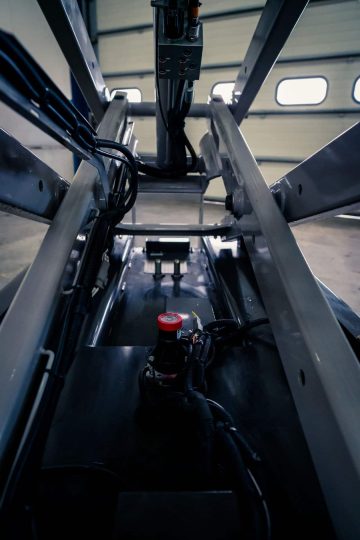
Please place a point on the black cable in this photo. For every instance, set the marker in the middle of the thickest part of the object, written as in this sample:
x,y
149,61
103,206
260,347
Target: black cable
x,y
112,156
218,323
205,430
194,158
104,143
244,485
222,414
157,81
266,512
225,331
127,201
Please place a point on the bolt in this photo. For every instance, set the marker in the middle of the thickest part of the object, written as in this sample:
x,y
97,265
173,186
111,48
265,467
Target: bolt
x,y
177,270
158,273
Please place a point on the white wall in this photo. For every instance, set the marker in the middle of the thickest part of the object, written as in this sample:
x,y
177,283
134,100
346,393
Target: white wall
x,y
25,20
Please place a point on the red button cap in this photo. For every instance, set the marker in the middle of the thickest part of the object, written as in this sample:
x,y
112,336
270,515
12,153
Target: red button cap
x,y
169,322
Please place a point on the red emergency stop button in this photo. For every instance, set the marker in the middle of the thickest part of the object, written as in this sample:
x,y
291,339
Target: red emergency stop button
x,y
169,322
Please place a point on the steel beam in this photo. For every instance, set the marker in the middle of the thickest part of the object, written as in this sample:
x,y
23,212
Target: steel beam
x,y
187,184
152,229
66,22
276,23
322,370
25,326
327,182
28,187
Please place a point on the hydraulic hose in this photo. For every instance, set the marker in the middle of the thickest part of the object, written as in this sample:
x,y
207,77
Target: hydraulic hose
x,y
242,483
206,432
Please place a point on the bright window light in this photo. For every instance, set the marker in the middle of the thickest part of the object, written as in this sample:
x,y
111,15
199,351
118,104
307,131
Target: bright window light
x,y
356,91
133,94
225,90
301,91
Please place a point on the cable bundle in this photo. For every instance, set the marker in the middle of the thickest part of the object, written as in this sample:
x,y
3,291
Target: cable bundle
x,y
221,447
28,78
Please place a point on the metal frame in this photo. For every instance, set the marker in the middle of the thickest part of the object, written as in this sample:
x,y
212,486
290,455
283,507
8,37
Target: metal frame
x,y
310,340
21,104
322,370
152,229
325,183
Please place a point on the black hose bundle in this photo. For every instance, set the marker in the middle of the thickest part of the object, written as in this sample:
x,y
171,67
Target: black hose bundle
x,y
29,79
125,197
226,331
174,125
238,458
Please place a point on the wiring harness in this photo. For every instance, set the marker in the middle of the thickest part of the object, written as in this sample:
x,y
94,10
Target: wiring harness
x,y
25,75
175,123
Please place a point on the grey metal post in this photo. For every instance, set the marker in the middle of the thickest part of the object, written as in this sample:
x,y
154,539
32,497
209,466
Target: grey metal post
x,y
322,370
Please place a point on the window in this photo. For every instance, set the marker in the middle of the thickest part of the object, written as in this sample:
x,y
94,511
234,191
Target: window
x,y
133,94
301,91
225,90
356,90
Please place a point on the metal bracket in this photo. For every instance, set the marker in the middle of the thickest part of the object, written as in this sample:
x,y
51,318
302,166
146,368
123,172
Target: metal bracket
x,y
210,156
